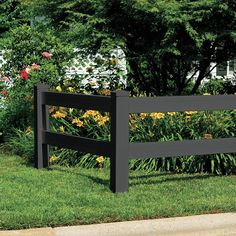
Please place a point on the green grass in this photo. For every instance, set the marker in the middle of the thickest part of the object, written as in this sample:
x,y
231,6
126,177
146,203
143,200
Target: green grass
x,y
69,196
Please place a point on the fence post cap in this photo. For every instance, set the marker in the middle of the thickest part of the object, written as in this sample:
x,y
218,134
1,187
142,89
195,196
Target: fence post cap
x,y
41,86
120,93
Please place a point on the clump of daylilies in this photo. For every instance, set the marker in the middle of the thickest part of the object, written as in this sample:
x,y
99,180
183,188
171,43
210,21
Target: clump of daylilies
x,y
144,127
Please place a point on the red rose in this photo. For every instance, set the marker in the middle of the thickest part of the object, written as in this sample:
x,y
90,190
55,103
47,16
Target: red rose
x,y
24,74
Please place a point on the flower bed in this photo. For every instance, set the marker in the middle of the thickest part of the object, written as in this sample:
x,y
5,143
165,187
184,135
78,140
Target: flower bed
x,y
150,127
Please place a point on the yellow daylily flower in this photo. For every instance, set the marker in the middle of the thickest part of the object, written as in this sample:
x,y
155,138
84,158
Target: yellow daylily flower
x,y
98,118
58,88
90,113
62,129
101,119
59,115
101,122
105,118
143,115
53,158
71,89
157,115
189,113
100,159
77,122
171,113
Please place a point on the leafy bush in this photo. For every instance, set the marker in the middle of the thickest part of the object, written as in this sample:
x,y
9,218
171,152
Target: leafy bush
x,y
32,55
17,114
218,86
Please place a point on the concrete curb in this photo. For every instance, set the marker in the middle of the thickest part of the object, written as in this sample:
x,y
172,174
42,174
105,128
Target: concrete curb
x,y
207,225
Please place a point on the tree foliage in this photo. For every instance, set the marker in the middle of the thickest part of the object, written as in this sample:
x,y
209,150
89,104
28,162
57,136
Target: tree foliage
x,y
12,14
164,41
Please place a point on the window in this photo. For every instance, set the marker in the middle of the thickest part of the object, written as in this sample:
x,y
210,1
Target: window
x,y
221,69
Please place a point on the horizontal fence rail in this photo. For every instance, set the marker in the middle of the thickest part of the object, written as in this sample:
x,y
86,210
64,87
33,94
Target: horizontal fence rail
x,y
119,149
78,143
182,148
80,101
182,103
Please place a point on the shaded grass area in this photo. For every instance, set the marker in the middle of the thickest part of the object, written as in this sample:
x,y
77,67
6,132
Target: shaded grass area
x,y
69,196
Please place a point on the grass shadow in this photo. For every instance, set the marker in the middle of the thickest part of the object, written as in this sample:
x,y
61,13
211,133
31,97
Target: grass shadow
x,y
95,179
149,175
146,179
171,179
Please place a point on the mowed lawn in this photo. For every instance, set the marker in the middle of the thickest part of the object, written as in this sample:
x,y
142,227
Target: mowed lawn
x,y
70,196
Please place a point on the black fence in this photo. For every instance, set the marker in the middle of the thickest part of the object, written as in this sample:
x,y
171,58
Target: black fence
x,y
119,104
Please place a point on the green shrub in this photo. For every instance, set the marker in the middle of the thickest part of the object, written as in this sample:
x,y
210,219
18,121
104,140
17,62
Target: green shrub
x,y
33,54
218,86
17,114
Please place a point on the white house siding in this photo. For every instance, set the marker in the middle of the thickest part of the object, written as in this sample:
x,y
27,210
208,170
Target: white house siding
x,y
224,71
79,68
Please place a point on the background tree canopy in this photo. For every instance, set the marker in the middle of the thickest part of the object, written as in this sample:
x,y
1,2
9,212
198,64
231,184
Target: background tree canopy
x,y
164,41
12,14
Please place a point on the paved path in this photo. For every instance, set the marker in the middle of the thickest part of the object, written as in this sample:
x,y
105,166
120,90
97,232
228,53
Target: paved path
x,y
203,225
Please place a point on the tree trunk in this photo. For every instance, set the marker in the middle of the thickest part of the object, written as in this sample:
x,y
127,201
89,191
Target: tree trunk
x,y
139,77
202,74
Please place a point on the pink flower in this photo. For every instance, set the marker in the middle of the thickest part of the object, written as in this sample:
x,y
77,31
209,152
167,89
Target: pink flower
x,y
5,79
47,55
4,93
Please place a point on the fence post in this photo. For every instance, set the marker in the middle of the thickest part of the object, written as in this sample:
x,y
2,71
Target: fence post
x,y
119,169
41,123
